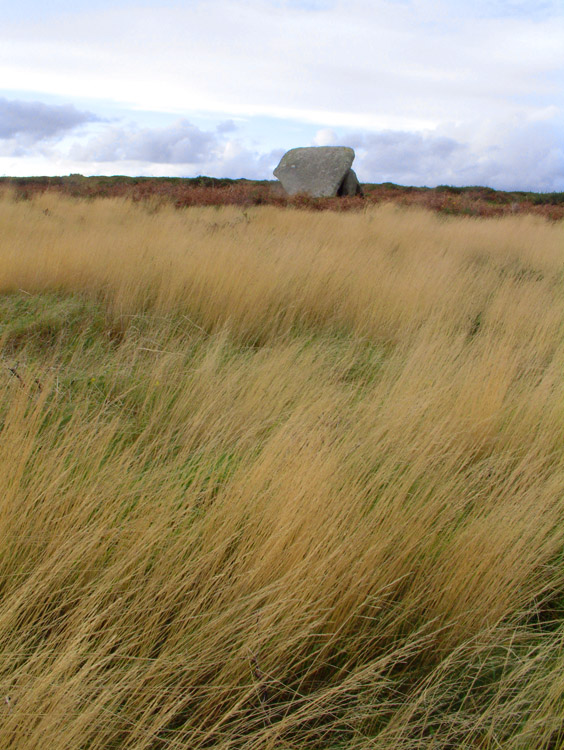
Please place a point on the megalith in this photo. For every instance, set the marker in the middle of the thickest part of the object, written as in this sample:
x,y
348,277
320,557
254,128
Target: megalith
x,y
318,171
350,185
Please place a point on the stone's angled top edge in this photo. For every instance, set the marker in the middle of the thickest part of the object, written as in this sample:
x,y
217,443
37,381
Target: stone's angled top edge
x,y
321,148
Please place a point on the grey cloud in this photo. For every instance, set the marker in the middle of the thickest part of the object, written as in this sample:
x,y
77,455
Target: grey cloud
x,y
508,156
183,147
406,158
29,122
244,162
206,152
528,157
227,126
525,157
181,143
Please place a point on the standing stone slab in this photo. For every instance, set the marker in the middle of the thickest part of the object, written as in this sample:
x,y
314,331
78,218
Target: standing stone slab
x,y
350,184
318,171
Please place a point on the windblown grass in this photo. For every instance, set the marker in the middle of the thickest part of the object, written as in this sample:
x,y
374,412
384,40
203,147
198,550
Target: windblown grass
x,y
273,479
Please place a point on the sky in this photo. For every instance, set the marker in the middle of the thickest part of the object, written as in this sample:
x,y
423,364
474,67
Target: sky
x,y
427,92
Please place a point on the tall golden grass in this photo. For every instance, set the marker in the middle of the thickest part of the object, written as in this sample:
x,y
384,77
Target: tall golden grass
x,y
271,479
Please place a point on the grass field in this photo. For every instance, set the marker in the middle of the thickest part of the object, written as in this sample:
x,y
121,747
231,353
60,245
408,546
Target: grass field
x,y
273,479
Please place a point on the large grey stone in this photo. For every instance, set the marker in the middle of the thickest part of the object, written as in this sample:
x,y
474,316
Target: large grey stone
x,y
318,171
350,184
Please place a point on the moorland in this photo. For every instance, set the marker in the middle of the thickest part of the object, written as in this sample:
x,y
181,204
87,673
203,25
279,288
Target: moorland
x,y
280,478
182,192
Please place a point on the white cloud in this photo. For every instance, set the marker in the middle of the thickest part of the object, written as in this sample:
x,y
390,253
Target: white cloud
x,y
433,91
181,143
361,63
325,137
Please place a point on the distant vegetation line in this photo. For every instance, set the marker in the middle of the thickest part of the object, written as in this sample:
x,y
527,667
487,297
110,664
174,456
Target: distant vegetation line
x,y
209,191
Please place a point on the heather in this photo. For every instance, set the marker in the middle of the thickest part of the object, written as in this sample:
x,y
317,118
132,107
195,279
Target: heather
x,y
209,191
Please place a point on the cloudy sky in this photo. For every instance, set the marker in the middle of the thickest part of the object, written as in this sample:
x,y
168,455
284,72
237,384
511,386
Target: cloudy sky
x,y
427,92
